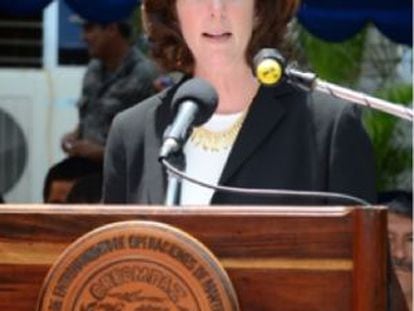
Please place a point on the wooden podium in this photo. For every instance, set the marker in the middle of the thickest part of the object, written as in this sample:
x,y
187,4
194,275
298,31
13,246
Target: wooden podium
x,y
278,258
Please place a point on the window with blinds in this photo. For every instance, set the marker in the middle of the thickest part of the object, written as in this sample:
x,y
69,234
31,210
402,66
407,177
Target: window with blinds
x,y
21,41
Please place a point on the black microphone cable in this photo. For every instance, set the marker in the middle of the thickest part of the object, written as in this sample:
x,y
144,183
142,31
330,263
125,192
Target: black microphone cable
x,y
264,192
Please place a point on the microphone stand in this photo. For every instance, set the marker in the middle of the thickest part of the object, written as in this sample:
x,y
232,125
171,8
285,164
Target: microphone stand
x,y
310,82
173,194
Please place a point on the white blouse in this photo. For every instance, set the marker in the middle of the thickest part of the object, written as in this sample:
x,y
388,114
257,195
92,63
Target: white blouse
x,y
205,165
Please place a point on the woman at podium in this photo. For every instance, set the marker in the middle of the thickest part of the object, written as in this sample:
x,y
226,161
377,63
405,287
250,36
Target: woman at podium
x,y
258,137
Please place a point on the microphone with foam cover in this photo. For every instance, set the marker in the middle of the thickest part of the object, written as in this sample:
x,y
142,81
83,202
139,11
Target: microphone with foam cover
x,y
193,104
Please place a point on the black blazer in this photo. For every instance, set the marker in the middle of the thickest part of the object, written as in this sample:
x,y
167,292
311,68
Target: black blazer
x,y
289,140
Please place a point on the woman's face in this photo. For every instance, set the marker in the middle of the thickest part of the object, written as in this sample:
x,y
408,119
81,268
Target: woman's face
x,y
217,31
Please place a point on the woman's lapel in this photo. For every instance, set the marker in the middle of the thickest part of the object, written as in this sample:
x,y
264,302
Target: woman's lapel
x,y
266,112
155,177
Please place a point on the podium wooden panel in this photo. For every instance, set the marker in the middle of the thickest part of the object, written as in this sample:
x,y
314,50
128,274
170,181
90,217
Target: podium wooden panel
x,y
278,258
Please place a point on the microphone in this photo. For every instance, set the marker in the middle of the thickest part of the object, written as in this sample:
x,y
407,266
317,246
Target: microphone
x,y
270,68
193,104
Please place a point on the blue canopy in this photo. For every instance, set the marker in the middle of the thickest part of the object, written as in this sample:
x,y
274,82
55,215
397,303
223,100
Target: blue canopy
x,y
332,20
338,20
103,11
23,7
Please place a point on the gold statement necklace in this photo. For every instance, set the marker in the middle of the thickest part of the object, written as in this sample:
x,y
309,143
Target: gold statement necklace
x,y
215,141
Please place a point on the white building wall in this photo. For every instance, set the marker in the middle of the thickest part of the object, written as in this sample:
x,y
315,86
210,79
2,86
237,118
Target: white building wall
x,y
42,102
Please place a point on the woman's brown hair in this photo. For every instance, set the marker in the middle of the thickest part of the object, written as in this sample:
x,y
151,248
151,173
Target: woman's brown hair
x,y
169,49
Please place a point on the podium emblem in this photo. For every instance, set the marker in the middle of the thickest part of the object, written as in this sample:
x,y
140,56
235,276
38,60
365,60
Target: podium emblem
x,y
137,266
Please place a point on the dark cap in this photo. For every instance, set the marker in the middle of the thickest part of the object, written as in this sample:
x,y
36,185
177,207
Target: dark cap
x,y
79,20
124,25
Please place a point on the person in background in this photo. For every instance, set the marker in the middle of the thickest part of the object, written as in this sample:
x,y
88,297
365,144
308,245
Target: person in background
x,y
62,176
117,77
86,190
400,232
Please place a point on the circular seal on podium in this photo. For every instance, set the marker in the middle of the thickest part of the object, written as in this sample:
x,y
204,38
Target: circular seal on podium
x,y
137,266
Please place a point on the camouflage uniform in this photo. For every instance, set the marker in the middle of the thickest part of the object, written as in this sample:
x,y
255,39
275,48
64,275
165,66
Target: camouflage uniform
x,y
103,95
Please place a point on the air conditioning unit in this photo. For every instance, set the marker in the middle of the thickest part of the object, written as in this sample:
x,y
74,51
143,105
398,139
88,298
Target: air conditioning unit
x,y
37,105
25,107
42,106
13,151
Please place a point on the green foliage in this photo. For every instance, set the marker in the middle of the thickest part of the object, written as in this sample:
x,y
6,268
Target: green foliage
x,y
342,63
138,31
393,154
334,62
137,22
